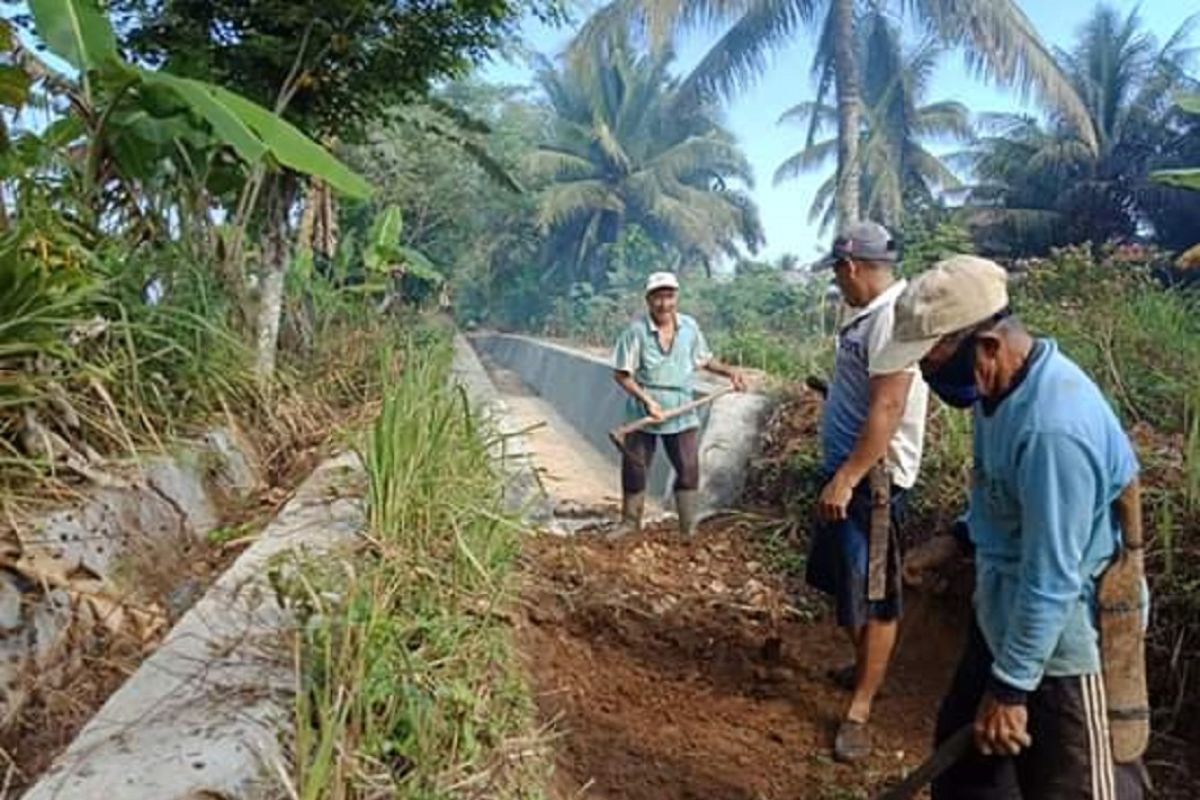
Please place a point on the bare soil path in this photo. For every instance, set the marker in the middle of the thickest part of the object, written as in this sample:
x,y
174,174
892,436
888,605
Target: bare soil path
x,y
652,655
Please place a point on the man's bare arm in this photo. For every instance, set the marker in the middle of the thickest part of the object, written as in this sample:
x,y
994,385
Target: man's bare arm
x,y
625,381
889,395
725,371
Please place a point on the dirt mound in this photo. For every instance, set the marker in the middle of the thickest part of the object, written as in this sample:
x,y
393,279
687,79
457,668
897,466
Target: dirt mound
x,y
784,471
656,658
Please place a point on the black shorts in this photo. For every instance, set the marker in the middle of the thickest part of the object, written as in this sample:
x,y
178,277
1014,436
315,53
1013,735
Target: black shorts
x,y
1070,758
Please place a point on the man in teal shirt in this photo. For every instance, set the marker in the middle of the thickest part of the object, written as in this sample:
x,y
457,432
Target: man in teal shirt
x,y
655,362
1050,460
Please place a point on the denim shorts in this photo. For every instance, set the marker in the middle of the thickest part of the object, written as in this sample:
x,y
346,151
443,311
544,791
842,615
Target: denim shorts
x,y
838,558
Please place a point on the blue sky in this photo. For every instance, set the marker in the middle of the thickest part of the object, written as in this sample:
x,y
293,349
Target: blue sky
x,y
752,116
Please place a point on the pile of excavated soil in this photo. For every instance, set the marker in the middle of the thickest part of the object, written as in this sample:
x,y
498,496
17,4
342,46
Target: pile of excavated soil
x,y
784,469
654,658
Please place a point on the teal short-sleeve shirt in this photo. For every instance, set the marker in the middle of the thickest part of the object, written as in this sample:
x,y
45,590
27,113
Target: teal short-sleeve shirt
x,y
667,376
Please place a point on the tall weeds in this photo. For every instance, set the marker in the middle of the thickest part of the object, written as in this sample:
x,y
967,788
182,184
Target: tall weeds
x,y
408,686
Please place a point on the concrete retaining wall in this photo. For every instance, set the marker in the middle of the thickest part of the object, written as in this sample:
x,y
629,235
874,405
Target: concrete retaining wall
x,y
81,551
580,386
205,714
524,491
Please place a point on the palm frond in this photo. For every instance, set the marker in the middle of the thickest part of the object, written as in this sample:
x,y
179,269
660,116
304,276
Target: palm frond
x,y
826,115
948,119
806,160
626,150
741,55
444,124
823,71
549,164
562,202
933,170
614,153
704,156
1002,46
822,202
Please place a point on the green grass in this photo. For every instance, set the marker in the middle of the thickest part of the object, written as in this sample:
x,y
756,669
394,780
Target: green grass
x,y
409,687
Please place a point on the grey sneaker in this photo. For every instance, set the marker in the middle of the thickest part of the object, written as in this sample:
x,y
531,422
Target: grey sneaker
x,y
853,742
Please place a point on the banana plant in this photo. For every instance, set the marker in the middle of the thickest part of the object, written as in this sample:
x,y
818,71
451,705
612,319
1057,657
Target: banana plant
x,y
389,264
78,32
385,256
1182,178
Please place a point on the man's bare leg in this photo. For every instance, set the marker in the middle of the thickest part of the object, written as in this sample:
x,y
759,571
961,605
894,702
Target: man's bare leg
x,y
874,652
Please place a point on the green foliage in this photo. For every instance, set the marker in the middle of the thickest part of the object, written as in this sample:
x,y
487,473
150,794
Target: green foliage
x,y
1041,186
384,255
451,175
334,66
627,147
409,685
77,31
290,148
37,302
88,367
1182,178
1139,342
999,43
591,317
929,237
1179,178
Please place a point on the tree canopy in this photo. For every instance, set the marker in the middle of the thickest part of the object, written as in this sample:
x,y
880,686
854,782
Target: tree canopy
x,y
627,148
1040,184
336,65
897,169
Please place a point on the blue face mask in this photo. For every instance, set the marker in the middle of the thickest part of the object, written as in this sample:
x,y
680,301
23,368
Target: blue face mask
x,y
954,381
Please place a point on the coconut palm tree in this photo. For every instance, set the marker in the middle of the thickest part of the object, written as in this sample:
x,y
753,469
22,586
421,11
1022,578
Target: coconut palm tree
x,y
999,43
896,167
1043,184
624,150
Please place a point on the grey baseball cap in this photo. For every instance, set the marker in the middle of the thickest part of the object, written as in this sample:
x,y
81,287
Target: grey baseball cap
x,y
868,241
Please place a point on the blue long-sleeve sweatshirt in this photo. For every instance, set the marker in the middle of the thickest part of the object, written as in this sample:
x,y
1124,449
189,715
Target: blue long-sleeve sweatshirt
x,y
1049,461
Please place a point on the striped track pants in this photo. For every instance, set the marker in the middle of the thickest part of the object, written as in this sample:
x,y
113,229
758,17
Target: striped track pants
x,y
1071,755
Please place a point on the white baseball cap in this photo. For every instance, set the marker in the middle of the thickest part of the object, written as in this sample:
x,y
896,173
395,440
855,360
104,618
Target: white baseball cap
x,y
951,296
661,280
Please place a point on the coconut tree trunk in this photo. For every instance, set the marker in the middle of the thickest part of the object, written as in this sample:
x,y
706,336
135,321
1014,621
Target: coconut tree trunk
x,y
849,107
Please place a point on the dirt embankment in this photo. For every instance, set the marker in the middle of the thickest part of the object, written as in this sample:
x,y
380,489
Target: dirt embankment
x,y
655,656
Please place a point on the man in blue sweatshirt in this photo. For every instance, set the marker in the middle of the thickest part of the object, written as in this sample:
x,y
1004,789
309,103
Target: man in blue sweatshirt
x,y
1050,459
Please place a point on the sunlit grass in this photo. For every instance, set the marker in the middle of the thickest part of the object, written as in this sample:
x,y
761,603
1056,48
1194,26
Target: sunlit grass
x,y
408,682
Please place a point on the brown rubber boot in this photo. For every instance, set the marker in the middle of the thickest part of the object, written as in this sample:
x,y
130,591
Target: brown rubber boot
x,y
687,506
633,506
